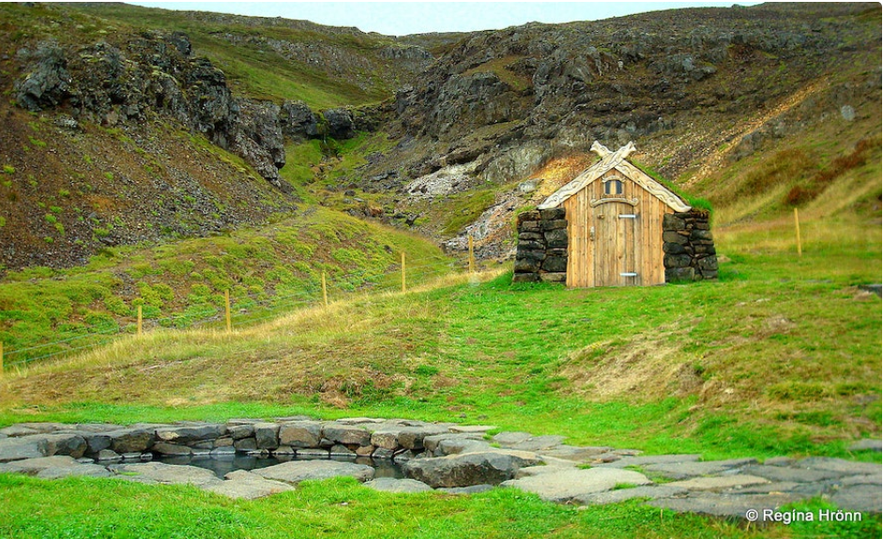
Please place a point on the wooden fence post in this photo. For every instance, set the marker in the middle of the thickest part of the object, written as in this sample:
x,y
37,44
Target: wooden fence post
x,y
139,320
227,310
404,288
471,254
324,290
797,226
1,358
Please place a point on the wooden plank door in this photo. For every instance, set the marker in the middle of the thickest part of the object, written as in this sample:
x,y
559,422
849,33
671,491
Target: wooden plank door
x,y
615,260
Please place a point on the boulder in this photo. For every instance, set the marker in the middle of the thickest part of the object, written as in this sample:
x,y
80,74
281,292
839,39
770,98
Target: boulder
x,y
300,434
346,434
130,440
412,437
186,435
467,469
266,435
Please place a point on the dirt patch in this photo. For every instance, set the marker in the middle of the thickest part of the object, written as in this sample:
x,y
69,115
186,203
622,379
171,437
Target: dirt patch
x,y
646,367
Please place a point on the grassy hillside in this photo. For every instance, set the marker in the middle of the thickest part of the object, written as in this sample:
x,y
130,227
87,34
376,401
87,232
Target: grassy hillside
x,y
44,312
781,356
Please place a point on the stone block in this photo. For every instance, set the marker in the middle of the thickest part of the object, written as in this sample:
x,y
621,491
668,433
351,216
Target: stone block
x,y
266,435
529,226
676,261
531,245
552,214
554,224
529,236
300,434
346,434
556,238
673,248
673,237
533,215
245,444
531,255
557,277
707,263
238,432
672,222
697,234
526,265
526,278
555,264
676,275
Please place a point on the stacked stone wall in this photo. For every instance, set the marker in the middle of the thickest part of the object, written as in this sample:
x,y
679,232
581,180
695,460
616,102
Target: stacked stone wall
x,y
542,247
689,247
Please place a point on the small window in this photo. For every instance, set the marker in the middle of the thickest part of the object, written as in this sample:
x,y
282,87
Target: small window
x,y
613,187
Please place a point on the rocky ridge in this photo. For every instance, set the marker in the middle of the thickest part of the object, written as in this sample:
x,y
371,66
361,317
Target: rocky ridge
x,y
457,459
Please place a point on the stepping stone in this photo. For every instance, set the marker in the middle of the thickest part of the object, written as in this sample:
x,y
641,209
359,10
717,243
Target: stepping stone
x,y
389,484
615,496
296,471
685,470
506,439
539,443
36,465
167,474
788,473
576,454
722,505
245,485
719,483
864,498
648,460
472,429
26,447
564,486
844,467
80,469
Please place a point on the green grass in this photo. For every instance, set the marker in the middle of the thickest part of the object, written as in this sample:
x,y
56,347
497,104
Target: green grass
x,y
779,357
87,507
271,270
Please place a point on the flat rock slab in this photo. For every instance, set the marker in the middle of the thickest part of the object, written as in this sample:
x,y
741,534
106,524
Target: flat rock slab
x,y
296,471
686,470
389,484
507,439
859,498
844,467
724,505
652,492
538,443
720,483
790,473
867,445
576,454
54,468
166,474
245,485
566,485
27,447
472,429
649,460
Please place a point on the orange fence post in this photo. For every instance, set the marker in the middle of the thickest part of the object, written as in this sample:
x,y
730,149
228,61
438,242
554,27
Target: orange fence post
x,y
227,304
